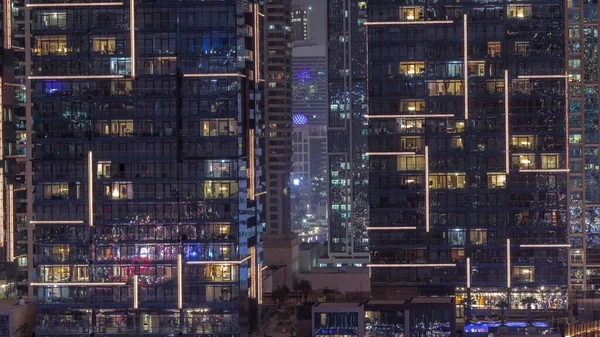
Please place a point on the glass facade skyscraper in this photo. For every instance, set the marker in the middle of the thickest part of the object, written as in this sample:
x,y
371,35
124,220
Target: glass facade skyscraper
x,y
347,131
468,150
584,214
145,126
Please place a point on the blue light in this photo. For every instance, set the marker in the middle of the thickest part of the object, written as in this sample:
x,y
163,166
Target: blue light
x,y
299,119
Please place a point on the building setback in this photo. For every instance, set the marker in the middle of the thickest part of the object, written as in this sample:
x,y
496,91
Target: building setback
x,y
144,166
467,151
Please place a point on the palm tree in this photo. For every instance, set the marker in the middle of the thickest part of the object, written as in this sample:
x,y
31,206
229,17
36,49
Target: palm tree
x,y
529,301
304,287
279,294
503,305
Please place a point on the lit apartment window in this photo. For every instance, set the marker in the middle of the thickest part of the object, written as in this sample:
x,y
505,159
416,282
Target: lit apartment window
x,y
54,20
494,49
523,161
119,190
496,180
103,169
57,191
104,45
443,88
521,143
549,161
411,68
456,236
519,11
411,13
411,144
412,106
523,274
219,127
50,45
411,162
478,236
220,189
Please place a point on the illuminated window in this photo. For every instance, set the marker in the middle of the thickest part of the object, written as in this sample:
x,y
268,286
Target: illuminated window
x,y
521,143
576,256
220,273
104,45
220,189
494,86
456,142
476,68
523,161
411,13
411,68
120,128
447,180
455,127
410,125
574,62
119,190
478,236
521,48
55,274
442,88
456,180
412,106
103,169
411,162
575,138
411,144
219,168
219,127
456,236
523,274
496,180
51,45
549,161
494,49
519,11
458,254
60,191
56,20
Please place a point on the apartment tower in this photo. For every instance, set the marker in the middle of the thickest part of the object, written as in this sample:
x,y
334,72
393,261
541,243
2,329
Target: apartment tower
x,y
143,172
346,133
468,159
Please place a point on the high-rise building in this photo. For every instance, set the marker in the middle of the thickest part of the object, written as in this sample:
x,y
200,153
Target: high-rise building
x,y
299,23
346,133
468,151
280,243
309,188
10,184
309,67
145,122
278,115
584,214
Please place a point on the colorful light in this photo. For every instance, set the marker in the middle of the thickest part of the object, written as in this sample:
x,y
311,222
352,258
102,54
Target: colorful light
x,y
299,119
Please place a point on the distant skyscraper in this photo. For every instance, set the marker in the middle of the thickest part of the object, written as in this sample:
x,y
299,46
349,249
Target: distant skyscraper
x,y
309,65
278,115
300,23
145,123
468,151
347,129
